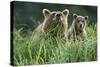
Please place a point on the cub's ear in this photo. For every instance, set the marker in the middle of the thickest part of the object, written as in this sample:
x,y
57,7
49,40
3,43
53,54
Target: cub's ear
x,y
86,17
75,16
66,12
46,12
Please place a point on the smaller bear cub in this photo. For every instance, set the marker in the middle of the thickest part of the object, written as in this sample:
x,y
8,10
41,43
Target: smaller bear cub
x,y
78,28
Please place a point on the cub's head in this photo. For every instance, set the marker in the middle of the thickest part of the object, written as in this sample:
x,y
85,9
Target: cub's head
x,y
55,16
80,21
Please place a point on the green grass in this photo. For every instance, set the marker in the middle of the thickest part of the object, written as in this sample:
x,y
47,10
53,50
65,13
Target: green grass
x,y
50,50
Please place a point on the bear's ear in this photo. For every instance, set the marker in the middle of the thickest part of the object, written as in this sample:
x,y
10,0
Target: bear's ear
x,y
46,12
86,17
66,12
75,16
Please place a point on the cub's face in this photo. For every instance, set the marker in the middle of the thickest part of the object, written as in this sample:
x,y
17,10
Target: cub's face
x,y
55,16
80,21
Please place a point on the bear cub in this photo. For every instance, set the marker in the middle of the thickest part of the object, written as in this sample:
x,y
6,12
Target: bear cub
x,y
77,30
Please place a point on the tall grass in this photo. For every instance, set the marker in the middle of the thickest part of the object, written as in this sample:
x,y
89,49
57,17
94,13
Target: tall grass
x,y
50,50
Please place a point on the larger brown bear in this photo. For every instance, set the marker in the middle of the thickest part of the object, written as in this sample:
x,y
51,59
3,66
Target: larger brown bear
x,y
55,23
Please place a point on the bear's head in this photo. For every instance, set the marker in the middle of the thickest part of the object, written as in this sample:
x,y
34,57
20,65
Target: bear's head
x,y
80,21
55,16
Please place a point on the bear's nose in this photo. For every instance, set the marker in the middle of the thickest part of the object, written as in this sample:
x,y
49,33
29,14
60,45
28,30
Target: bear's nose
x,y
80,25
58,15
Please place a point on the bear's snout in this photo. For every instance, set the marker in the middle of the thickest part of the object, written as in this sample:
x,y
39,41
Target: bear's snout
x,y
80,25
58,15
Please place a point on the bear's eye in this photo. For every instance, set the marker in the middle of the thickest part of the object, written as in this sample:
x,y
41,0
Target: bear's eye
x,y
83,21
53,14
78,21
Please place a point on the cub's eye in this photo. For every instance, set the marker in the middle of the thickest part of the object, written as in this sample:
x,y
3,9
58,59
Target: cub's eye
x,y
78,21
83,21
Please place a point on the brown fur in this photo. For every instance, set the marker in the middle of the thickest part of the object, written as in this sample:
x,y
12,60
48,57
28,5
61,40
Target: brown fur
x,y
78,28
51,20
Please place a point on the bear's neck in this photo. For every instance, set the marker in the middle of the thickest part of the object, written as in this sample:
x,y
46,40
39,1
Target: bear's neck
x,y
78,31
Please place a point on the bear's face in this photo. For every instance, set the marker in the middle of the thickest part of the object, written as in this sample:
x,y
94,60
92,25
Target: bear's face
x,y
80,21
55,16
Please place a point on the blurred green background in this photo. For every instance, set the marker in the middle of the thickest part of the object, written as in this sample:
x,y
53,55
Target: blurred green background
x,y
28,15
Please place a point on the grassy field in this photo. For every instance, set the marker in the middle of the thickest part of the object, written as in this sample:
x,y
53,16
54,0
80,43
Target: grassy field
x,y
50,50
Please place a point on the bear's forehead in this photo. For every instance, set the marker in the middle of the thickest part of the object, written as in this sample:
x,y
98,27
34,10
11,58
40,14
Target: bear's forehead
x,y
56,12
80,18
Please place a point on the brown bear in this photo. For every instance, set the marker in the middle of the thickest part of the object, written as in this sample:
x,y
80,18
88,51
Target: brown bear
x,y
55,22
77,30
